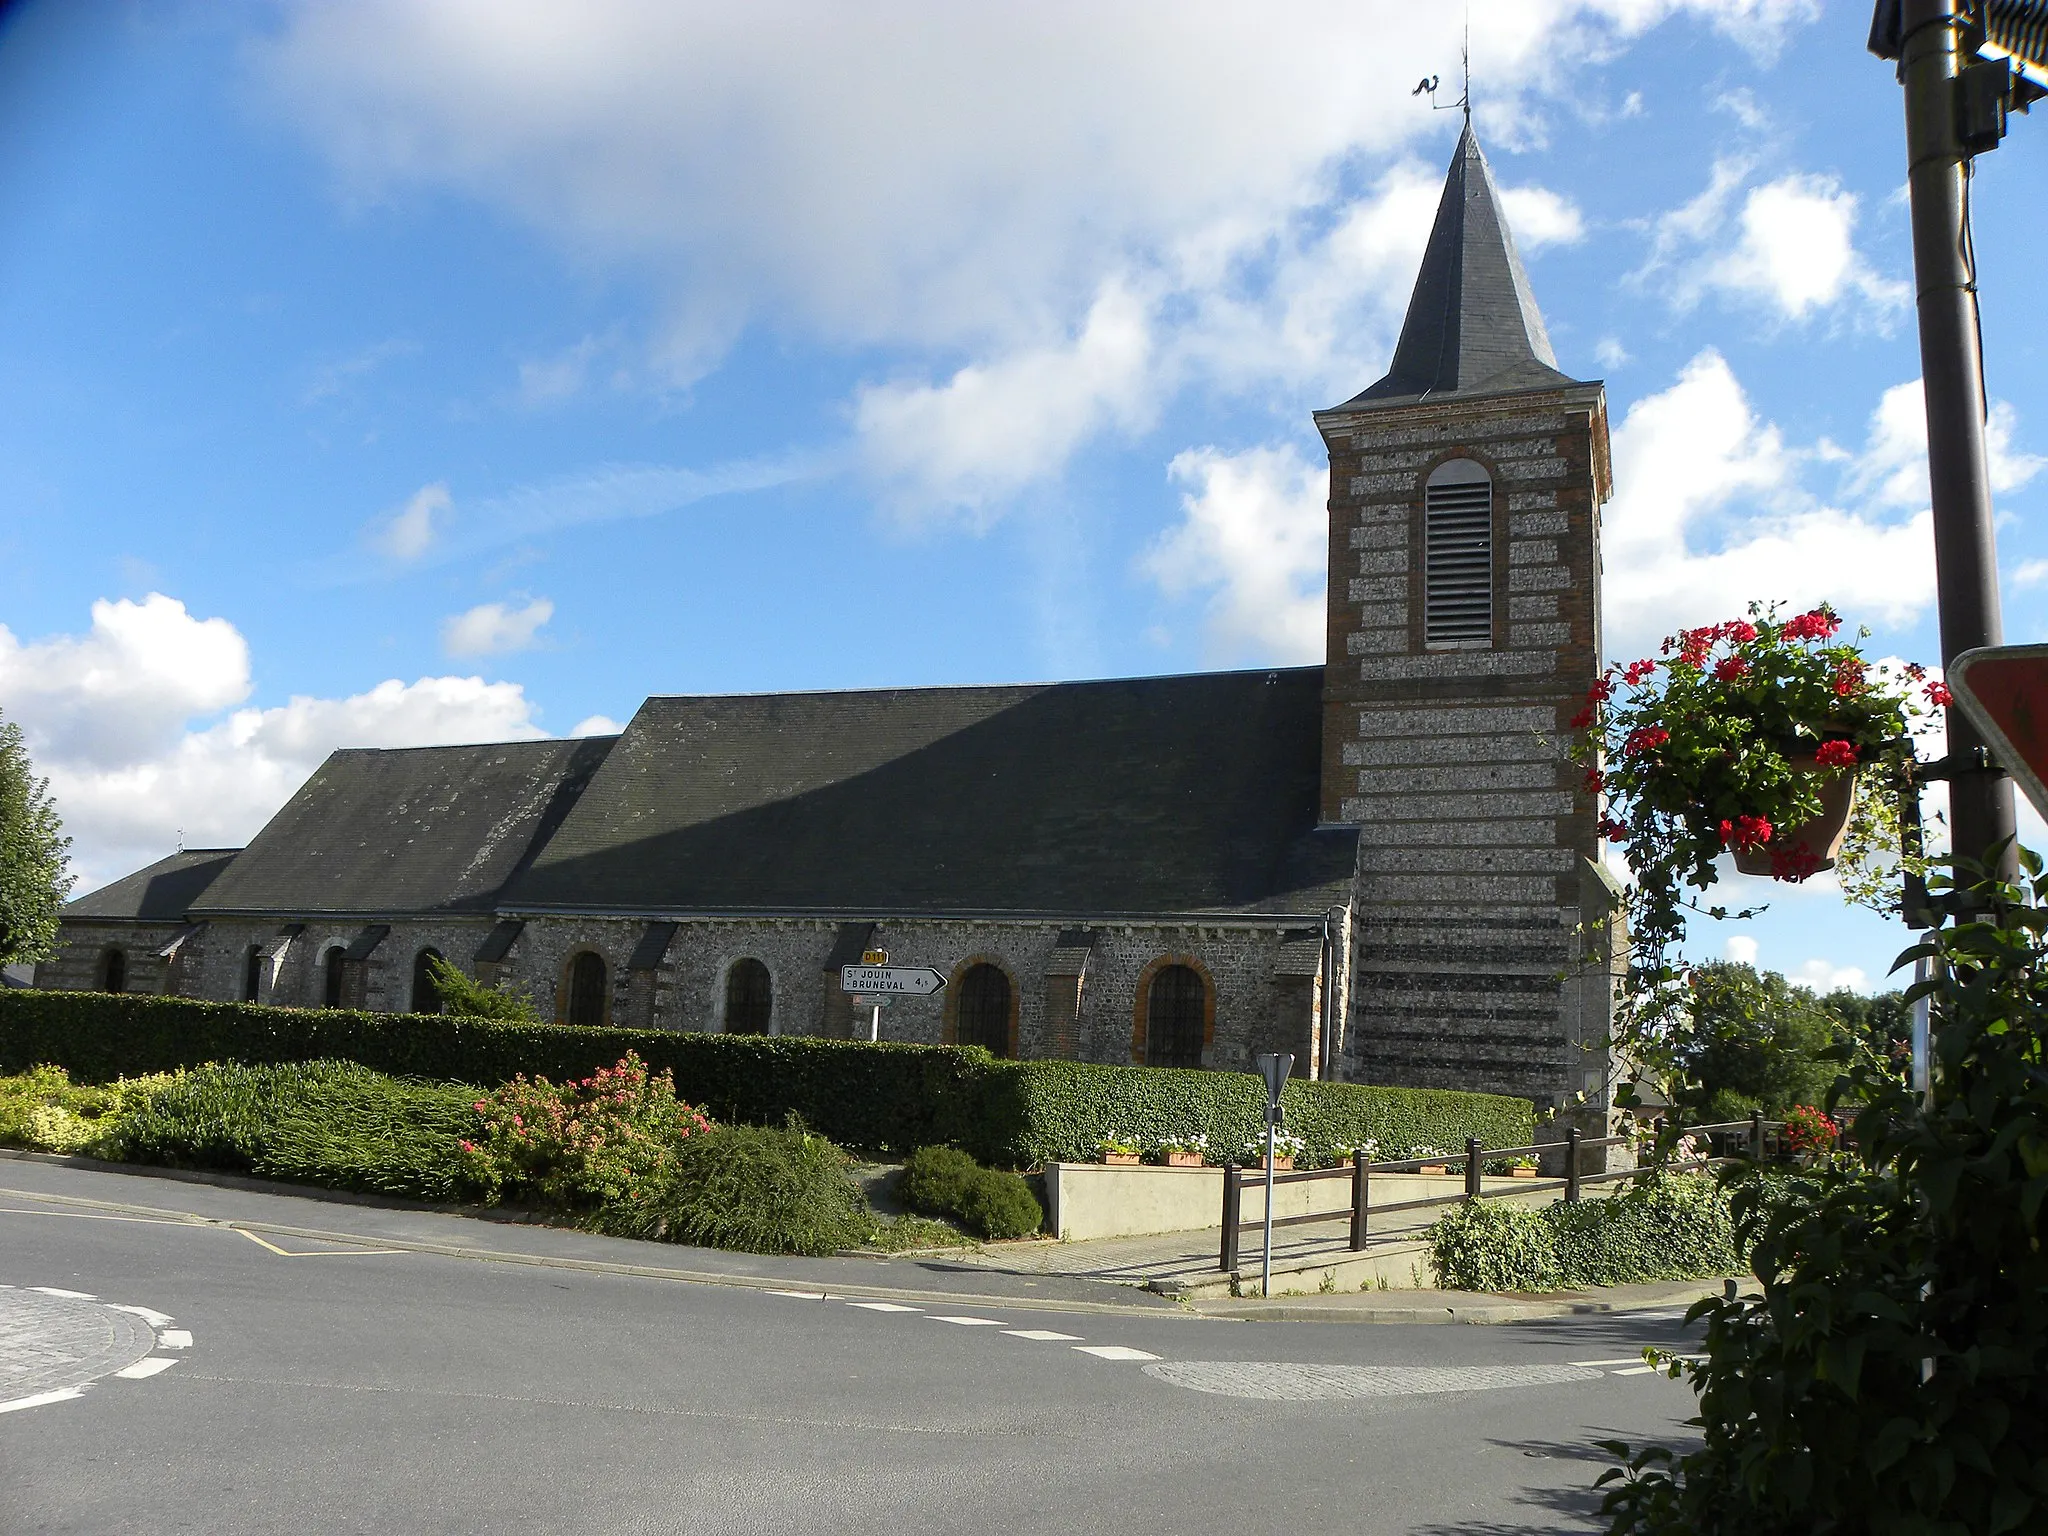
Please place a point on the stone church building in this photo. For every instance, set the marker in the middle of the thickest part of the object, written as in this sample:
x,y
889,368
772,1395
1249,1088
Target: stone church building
x,y
1383,864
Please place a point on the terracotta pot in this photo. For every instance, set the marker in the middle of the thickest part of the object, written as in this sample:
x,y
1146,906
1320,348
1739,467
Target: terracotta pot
x,y
1521,1173
1183,1159
1121,1159
1820,837
1283,1165
1432,1168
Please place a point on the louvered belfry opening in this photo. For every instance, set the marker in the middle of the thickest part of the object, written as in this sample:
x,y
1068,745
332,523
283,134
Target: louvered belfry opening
x,y
1457,539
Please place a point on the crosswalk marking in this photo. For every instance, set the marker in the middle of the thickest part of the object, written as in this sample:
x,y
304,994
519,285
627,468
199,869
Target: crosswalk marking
x,y
1042,1335
882,1306
142,1370
801,1295
971,1322
1114,1352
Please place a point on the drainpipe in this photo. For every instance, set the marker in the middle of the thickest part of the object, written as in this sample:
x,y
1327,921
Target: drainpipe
x,y
1327,1055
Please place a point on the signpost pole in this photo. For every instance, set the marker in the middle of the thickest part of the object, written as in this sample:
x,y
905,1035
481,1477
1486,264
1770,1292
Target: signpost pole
x,y
875,1023
1274,1069
1952,364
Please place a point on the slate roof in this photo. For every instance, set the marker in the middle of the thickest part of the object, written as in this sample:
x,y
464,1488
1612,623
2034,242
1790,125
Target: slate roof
x,y
1472,326
1140,796
162,893
383,833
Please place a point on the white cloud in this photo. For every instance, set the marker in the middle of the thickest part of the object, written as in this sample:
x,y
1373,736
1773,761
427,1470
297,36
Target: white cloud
x,y
1042,207
409,532
1892,468
494,629
1254,542
1739,948
127,722
1709,512
2030,573
1824,976
1610,354
544,380
1790,247
596,725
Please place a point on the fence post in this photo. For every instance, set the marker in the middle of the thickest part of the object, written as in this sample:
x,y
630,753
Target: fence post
x,y
1472,1167
1571,1164
1233,1198
1361,1199
1756,1135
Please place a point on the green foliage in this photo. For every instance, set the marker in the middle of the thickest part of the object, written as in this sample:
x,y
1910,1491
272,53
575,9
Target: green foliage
x,y
1892,1378
1880,1024
1000,1205
1752,1042
935,1178
751,1188
44,1111
331,1123
1061,1110
1664,1227
878,1098
582,1143
467,998
34,878
941,1181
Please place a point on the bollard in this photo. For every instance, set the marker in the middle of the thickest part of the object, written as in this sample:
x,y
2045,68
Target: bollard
x,y
1233,1205
1361,1199
1472,1167
1571,1165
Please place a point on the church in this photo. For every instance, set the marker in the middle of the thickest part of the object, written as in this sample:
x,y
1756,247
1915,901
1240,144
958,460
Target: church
x,y
1384,865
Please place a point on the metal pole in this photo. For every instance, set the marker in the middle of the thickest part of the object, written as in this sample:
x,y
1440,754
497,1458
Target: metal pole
x,y
1361,1198
1571,1164
1952,366
1266,1285
875,1023
1923,1054
1233,1217
1472,1167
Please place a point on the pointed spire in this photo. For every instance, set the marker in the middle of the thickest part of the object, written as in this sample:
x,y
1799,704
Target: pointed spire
x,y
1473,327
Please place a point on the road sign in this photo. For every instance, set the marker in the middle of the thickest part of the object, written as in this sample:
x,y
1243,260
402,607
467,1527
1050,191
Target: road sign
x,y
899,980
874,957
2003,690
1274,1069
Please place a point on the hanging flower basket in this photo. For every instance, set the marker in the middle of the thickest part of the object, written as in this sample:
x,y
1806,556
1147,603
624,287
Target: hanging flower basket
x,y
1807,848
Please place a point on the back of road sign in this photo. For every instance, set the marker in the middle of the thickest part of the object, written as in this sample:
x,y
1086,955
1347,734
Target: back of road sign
x,y
2003,690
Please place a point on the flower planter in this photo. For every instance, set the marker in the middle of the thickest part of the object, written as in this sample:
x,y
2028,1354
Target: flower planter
x,y
1811,846
1183,1159
1433,1168
1282,1165
1121,1159
1521,1173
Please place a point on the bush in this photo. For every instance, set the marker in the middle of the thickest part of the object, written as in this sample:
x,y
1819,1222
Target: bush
x,y
1665,1227
330,1123
750,1188
878,1098
935,1179
44,1111
940,1181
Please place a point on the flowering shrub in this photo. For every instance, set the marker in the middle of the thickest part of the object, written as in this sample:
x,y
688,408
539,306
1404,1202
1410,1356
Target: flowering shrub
x,y
1284,1145
1809,1130
1192,1142
1693,752
1116,1145
604,1138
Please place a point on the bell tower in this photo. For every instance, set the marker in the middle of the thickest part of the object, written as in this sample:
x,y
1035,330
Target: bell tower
x,y
1464,631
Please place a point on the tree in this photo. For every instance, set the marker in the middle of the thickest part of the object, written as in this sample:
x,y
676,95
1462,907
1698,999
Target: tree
x,y
1752,1042
466,997
34,879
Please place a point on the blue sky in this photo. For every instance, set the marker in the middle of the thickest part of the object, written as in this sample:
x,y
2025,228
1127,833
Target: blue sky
x,y
385,372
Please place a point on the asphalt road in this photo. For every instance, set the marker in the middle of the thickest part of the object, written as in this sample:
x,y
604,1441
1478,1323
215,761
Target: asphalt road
x,y
318,1385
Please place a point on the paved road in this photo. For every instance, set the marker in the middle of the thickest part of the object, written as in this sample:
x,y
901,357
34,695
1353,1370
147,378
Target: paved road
x,y
317,1385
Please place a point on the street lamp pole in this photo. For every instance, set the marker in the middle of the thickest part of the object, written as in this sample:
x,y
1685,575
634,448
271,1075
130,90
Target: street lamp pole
x,y
1951,366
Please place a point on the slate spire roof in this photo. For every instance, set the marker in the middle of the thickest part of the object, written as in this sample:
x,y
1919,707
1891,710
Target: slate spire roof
x,y
1473,327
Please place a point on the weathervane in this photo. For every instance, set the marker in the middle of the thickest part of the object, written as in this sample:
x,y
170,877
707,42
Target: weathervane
x,y
1429,83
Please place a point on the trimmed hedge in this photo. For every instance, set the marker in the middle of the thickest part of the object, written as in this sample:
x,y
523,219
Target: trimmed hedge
x,y
1665,1227
875,1098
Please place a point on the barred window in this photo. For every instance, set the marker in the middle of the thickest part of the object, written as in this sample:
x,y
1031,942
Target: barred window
x,y
587,981
334,981
426,994
113,975
1175,1016
1457,541
252,973
984,1009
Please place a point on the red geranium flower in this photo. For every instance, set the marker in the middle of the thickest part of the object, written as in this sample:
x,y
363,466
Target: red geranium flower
x,y
1937,693
1741,631
1582,719
1636,671
1644,739
1595,781
1836,754
1745,832
1731,669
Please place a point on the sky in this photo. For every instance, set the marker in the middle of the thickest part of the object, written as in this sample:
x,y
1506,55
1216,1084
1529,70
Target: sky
x,y
397,372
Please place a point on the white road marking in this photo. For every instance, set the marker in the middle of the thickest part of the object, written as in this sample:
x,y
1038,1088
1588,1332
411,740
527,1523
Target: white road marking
x,y
972,1322
173,1338
142,1370
801,1295
149,1315
1639,1370
882,1306
62,1394
1626,1360
1113,1352
51,1290
1042,1335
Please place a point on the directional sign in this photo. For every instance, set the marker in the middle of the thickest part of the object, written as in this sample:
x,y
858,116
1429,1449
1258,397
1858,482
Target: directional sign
x,y
902,980
2003,691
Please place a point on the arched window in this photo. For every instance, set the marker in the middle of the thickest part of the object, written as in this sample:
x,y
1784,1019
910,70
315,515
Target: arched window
x,y
586,989
426,997
749,998
1457,558
114,970
252,973
1174,1018
336,980
984,1009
